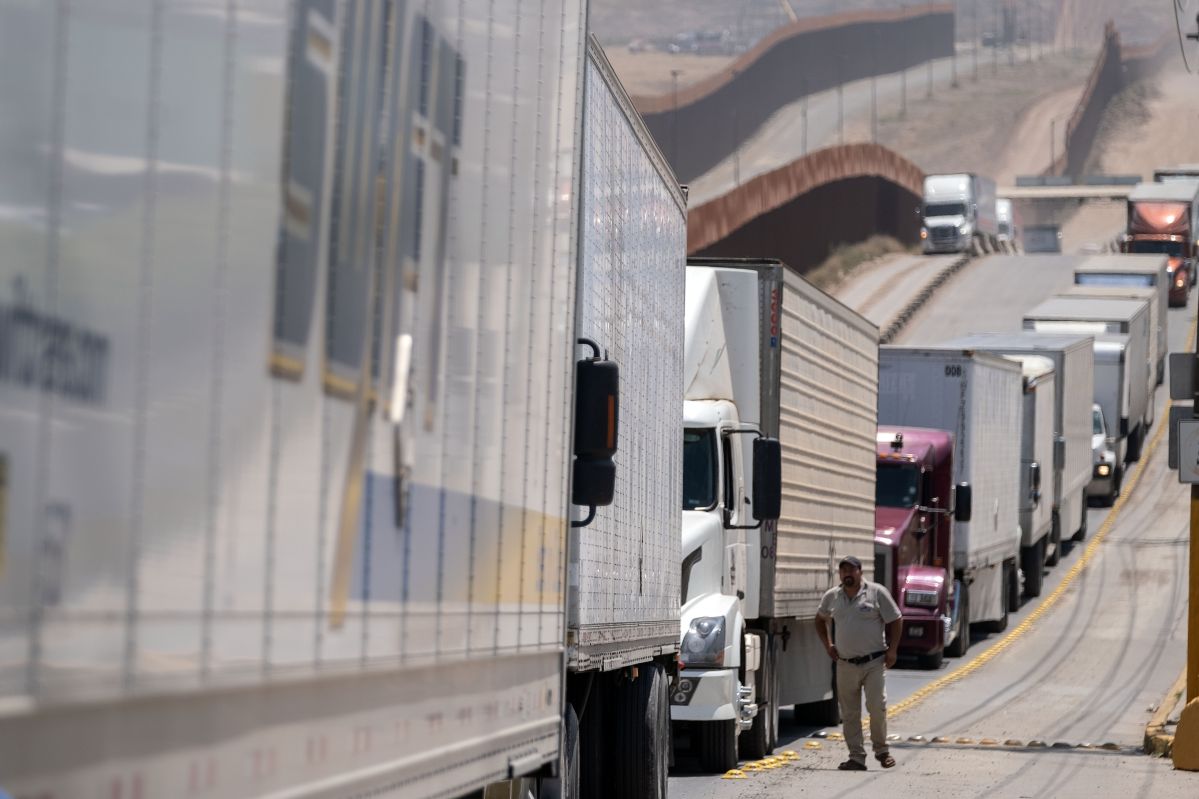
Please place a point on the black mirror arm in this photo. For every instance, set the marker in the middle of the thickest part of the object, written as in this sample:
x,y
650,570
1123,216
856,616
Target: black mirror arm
x,y
584,522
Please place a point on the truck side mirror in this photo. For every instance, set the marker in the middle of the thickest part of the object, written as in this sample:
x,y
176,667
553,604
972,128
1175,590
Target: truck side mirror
x,y
768,479
597,402
963,506
1059,452
1034,481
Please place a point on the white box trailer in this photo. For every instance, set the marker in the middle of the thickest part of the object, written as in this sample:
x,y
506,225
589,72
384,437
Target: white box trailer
x,y
1099,316
1134,272
1040,537
286,504
1074,361
768,353
978,397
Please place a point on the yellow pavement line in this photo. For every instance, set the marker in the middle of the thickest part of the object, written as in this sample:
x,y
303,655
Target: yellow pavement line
x,y
1047,604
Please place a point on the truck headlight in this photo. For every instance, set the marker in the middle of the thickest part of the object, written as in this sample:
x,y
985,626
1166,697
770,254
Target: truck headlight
x,y
920,599
923,233
1103,469
703,643
966,228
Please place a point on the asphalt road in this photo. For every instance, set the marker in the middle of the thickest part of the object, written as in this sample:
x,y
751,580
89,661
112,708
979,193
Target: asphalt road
x,y
1084,664
879,292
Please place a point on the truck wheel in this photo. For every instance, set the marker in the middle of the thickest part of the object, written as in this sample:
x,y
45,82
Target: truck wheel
x,y
593,782
933,660
760,740
1081,533
1013,594
961,642
566,786
1135,440
1032,563
641,744
717,745
1055,541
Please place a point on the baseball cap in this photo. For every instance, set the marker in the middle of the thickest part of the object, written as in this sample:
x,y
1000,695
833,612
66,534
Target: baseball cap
x,y
850,560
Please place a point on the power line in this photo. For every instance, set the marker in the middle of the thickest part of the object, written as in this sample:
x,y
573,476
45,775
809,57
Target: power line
x,y
1178,8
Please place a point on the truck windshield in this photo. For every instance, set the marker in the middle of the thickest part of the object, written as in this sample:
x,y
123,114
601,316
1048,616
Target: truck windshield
x,y
897,486
1097,422
1112,279
1156,247
699,468
944,209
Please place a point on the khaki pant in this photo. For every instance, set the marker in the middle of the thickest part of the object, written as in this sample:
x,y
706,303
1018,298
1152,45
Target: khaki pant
x,y
851,681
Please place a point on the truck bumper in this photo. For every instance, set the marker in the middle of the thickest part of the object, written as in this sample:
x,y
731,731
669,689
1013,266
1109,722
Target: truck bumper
x,y
922,635
1101,486
704,695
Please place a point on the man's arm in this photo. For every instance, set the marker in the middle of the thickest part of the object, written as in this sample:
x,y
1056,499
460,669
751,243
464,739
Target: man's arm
x,y
894,631
822,631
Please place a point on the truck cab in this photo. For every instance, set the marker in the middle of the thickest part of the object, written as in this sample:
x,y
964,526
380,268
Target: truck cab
x,y
1106,471
913,539
1162,220
956,211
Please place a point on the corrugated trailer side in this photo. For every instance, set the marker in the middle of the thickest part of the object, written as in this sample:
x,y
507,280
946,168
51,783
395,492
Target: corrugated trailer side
x,y
291,520
624,567
827,385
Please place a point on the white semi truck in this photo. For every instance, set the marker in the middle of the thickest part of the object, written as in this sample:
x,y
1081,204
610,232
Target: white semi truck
x,y
1135,379
978,397
1074,362
767,355
294,413
958,213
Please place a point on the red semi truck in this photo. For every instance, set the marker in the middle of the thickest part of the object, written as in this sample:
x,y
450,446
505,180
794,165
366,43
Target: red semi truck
x,y
916,505
1163,218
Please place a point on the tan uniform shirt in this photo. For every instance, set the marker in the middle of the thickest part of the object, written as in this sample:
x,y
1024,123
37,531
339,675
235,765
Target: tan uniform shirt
x,y
860,621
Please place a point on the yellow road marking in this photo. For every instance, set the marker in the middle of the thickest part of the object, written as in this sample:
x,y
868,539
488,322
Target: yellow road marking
x,y
1047,604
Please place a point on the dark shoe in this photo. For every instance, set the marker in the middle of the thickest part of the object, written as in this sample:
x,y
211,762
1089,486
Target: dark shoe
x,y
853,765
886,760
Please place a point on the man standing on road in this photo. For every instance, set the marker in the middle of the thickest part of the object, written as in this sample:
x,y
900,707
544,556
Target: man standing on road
x,y
860,610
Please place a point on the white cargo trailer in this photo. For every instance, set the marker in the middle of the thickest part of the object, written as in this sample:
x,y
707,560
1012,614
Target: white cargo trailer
x,y
1040,537
978,397
1114,388
288,374
1074,361
1125,317
1134,272
767,354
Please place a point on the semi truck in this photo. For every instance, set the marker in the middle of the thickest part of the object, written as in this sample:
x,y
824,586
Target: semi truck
x,y
1040,535
1163,219
958,213
298,429
1074,363
1135,272
767,354
978,398
1008,220
915,508
1134,378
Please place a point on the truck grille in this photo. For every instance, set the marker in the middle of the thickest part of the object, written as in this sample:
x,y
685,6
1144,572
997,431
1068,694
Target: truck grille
x,y
943,234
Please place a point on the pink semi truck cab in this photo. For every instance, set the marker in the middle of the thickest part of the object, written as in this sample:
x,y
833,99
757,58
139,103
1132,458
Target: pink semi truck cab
x,y
916,504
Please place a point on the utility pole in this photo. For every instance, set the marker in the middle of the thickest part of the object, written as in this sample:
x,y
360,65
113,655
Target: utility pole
x,y
954,43
995,39
929,94
841,103
736,140
1052,146
977,42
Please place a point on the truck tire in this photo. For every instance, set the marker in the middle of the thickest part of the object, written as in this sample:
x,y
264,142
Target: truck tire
x,y
1013,596
1055,541
933,660
761,739
641,742
1081,533
717,745
1032,563
1135,439
566,786
961,642
593,742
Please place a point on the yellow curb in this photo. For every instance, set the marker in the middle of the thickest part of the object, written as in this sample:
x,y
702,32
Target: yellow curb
x,y
1021,629
811,744
734,774
1186,740
1157,742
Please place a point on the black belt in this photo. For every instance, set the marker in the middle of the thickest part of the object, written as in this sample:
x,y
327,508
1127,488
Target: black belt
x,y
865,658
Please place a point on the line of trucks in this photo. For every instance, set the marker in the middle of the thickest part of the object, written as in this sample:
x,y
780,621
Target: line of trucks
x,y
342,420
